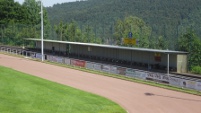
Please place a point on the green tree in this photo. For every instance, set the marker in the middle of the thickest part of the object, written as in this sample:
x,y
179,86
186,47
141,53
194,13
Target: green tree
x,y
88,35
21,21
189,42
119,31
167,18
137,27
71,32
68,32
60,30
13,34
12,11
33,8
11,15
158,43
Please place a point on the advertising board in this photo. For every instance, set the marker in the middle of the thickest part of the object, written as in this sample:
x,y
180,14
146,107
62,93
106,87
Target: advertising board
x,y
97,67
130,72
113,69
105,68
89,65
198,86
38,55
189,84
59,60
78,63
175,81
67,61
140,75
121,70
158,77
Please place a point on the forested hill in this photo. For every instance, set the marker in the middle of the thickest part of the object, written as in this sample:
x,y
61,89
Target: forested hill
x,y
164,16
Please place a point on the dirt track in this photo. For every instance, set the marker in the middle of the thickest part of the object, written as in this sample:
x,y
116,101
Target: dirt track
x,y
131,96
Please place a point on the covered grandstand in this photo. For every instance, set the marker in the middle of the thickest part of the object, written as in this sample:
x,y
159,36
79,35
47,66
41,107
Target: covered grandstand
x,y
136,58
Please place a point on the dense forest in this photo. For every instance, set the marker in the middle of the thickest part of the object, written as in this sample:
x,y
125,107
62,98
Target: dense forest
x,y
157,24
168,19
18,21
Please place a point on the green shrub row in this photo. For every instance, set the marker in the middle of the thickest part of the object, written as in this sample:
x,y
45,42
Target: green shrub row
x,y
196,70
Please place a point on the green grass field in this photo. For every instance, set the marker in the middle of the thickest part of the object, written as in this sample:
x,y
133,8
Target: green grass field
x,y
22,93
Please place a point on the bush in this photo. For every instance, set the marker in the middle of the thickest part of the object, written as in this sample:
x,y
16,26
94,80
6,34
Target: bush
x,y
196,70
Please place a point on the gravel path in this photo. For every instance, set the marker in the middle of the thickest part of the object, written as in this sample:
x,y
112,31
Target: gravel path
x,y
134,97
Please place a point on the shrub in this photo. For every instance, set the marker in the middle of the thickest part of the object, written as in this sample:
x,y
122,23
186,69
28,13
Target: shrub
x,y
196,69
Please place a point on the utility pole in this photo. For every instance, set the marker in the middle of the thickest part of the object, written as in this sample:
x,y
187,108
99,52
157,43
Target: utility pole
x,y
42,51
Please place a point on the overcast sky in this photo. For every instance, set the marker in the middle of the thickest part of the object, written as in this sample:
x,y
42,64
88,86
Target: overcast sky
x,y
47,3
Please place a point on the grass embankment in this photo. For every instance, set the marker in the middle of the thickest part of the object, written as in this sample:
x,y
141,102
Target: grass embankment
x,y
22,93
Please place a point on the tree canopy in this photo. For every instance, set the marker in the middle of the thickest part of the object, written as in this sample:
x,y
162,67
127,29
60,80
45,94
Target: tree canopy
x,y
11,11
190,42
168,19
21,21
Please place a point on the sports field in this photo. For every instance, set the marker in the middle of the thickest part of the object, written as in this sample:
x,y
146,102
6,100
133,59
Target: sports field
x,y
133,97
22,93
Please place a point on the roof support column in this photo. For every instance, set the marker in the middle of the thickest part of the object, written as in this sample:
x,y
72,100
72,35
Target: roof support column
x,y
131,58
168,64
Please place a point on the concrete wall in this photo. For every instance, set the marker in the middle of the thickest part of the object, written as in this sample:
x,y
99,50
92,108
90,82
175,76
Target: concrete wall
x,y
181,63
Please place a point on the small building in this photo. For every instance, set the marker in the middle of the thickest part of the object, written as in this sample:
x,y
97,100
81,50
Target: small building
x,y
150,59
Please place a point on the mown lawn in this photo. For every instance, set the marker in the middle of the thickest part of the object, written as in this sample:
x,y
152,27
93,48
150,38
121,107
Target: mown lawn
x,y
22,93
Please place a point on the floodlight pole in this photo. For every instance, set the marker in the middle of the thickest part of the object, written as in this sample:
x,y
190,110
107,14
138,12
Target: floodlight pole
x,y
42,51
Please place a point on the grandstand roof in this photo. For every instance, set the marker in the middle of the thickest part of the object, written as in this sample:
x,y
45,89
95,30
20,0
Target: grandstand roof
x,y
111,46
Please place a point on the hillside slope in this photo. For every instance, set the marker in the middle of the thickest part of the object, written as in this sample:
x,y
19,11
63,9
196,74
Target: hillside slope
x,y
167,18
